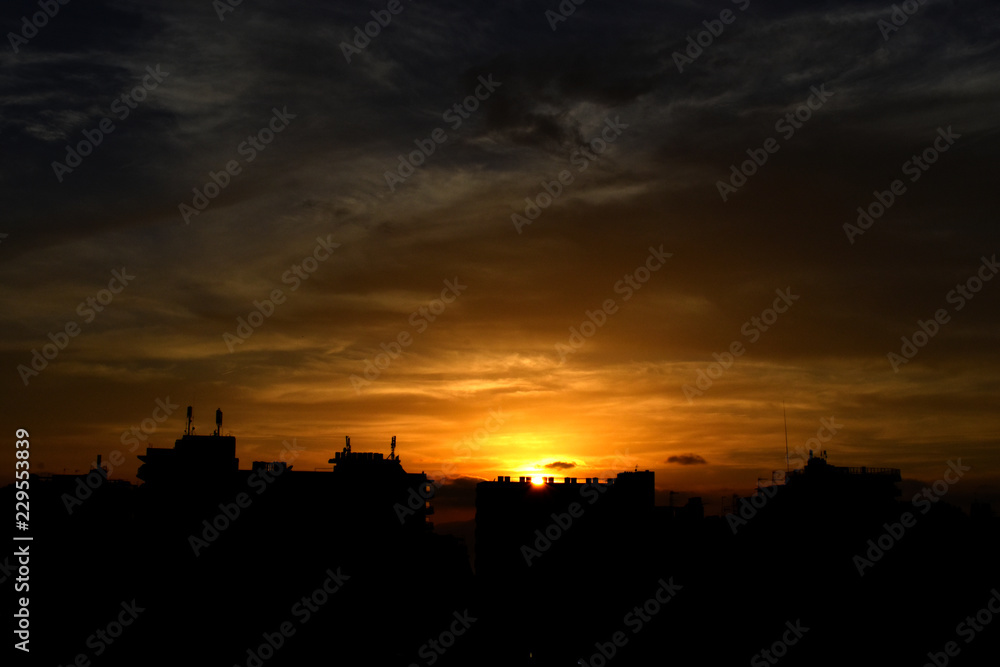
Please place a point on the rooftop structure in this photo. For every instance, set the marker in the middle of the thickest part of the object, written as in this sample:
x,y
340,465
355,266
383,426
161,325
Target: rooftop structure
x,y
365,489
818,475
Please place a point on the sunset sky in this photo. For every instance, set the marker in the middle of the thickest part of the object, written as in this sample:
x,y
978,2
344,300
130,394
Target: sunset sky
x,y
641,126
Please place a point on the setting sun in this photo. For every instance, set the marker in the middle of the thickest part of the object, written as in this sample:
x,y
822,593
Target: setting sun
x,y
490,321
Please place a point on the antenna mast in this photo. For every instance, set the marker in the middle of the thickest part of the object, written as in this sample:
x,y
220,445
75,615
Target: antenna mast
x,y
785,417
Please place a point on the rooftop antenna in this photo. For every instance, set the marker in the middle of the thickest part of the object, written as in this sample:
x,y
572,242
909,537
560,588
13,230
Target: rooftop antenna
x,y
188,431
785,417
393,454
218,421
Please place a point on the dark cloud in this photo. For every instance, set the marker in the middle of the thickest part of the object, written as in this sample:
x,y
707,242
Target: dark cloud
x,y
655,184
687,459
560,465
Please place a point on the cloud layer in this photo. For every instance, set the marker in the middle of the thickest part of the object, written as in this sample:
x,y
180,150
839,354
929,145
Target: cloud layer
x,y
593,124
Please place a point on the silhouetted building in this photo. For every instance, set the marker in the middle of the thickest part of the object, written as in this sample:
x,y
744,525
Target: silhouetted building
x,y
366,490
862,478
376,488
514,519
227,556
200,514
692,510
863,485
193,456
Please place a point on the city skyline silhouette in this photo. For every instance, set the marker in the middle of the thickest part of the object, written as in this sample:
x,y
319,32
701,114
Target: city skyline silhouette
x,y
526,333
555,563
